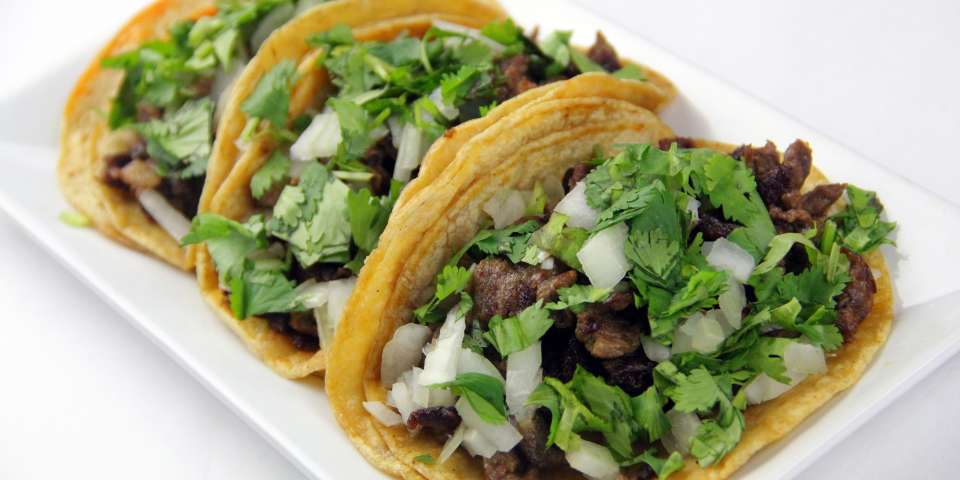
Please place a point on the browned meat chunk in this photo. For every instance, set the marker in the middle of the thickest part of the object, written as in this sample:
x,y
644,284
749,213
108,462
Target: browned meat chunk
x,y
760,160
606,335
682,142
380,158
562,352
508,466
535,430
147,112
619,301
304,322
640,471
633,373
712,226
502,288
856,300
437,421
182,193
515,72
280,323
792,220
818,200
603,54
576,173
321,272
796,164
138,175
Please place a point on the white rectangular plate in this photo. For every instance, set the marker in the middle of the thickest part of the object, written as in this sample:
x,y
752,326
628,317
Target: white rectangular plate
x,y
295,416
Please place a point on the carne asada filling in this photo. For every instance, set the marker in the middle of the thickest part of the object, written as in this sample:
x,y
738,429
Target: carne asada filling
x,y
331,183
168,95
556,360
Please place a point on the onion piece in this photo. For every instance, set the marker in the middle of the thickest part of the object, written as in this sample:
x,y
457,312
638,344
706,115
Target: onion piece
x,y
395,124
764,388
338,292
473,362
403,351
698,333
693,206
452,444
170,219
270,22
401,397
732,302
477,444
503,436
471,33
653,350
523,376
574,206
683,426
593,460
320,139
505,207
729,256
382,413
312,294
440,366
804,358
409,153
602,256
449,111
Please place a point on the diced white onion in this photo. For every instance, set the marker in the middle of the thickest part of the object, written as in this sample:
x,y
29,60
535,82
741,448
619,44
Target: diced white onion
x,y
473,362
547,263
693,206
270,22
409,153
804,358
420,393
653,350
452,443
468,32
338,292
764,388
574,206
449,111
404,351
400,397
683,426
505,207
320,139
395,124
729,256
312,294
477,444
698,333
732,302
382,413
602,257
523,376
441,363
593,460
170,219
503,436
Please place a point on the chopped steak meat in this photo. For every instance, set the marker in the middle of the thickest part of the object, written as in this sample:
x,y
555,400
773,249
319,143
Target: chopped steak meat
x,y
603,54
633,372
304,322
640,471
137,174
856,300
792,220
562,352
760,160
380,158
606,335
508,466
516,76
535,430
280,323
437,421
182,193
713,226
818,200
619,301
797,161
321,272
147,112
576,173
502,288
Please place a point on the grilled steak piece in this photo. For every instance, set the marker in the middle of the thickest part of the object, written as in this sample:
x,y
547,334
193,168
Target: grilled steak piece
x,y
856,300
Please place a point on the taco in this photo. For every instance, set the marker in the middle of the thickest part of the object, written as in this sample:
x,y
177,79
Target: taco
x,y
681,304
330,122
138,126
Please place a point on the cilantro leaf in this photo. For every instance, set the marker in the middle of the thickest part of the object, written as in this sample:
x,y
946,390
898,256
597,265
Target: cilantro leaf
x,y
575,296
648,410
452,279
340,34
369,215
485,394
516,333
270,99
180,141
561,241
272,173
630,72
557,47
425,459
229,242
861,228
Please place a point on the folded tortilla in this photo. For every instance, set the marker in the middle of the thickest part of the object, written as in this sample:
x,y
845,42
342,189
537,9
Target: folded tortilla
x,y
227,191
84,130
536,143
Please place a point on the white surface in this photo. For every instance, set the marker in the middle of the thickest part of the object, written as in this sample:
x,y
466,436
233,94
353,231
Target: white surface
x,y
87,395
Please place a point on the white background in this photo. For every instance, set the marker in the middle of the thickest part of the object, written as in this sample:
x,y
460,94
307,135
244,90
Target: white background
x,y
84,395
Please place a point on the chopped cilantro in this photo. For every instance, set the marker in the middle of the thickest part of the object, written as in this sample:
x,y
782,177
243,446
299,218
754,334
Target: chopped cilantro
x,y
860,226
425,458
75,219
271,174
484,393
180,141
452,279
270,99
516,333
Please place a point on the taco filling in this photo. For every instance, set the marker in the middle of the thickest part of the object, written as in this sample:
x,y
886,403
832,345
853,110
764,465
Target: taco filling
x,y
333,174
163,117
632,323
